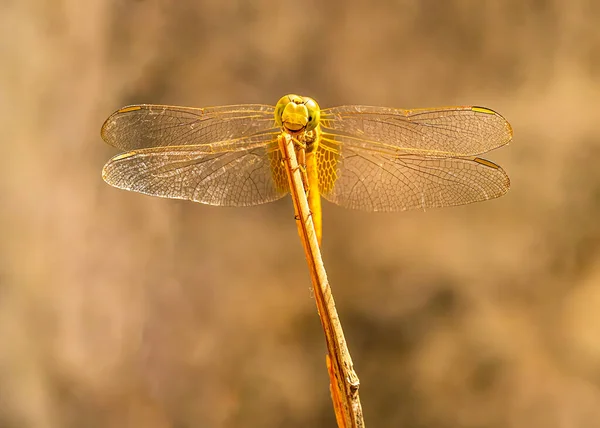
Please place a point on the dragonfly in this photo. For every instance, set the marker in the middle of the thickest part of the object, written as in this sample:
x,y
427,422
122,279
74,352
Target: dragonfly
x,y
358,157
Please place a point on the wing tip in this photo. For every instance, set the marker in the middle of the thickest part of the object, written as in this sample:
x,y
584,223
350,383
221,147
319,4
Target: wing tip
x,y
507,126
107,169
106,172
505,186
110,121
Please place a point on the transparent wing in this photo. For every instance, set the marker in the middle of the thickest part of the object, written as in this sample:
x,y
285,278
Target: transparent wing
x,y
442,132
146,125
253,174
368,177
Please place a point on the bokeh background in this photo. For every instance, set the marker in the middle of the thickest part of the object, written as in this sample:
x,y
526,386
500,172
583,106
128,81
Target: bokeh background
x,y
122,310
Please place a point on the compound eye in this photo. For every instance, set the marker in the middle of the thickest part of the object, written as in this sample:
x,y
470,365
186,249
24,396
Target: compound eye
x,y
280,106
314,113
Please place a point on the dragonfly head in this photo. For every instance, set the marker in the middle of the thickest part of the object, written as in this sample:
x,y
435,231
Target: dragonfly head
x,y
295,113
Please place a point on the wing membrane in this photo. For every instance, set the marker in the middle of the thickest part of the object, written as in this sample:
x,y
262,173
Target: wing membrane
x,y
441,132
248,176
146,125
369,158
371,178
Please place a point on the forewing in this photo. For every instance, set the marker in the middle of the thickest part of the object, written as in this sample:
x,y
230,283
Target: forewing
x,y
374,179
146,125
241,177
441,132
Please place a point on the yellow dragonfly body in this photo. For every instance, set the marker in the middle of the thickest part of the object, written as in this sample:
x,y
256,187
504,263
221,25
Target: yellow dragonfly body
x,y
368,158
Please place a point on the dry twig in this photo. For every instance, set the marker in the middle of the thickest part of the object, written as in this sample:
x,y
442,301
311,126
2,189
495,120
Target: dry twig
x,y
344,382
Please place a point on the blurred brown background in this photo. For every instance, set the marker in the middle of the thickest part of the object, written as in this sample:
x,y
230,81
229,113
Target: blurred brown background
x,y
121,310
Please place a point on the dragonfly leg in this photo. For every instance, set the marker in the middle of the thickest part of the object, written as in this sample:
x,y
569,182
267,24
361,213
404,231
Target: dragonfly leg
x,y
297,217
301,155
300,148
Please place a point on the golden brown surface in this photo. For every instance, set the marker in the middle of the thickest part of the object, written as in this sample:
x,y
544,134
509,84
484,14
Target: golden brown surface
x,y
121,310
